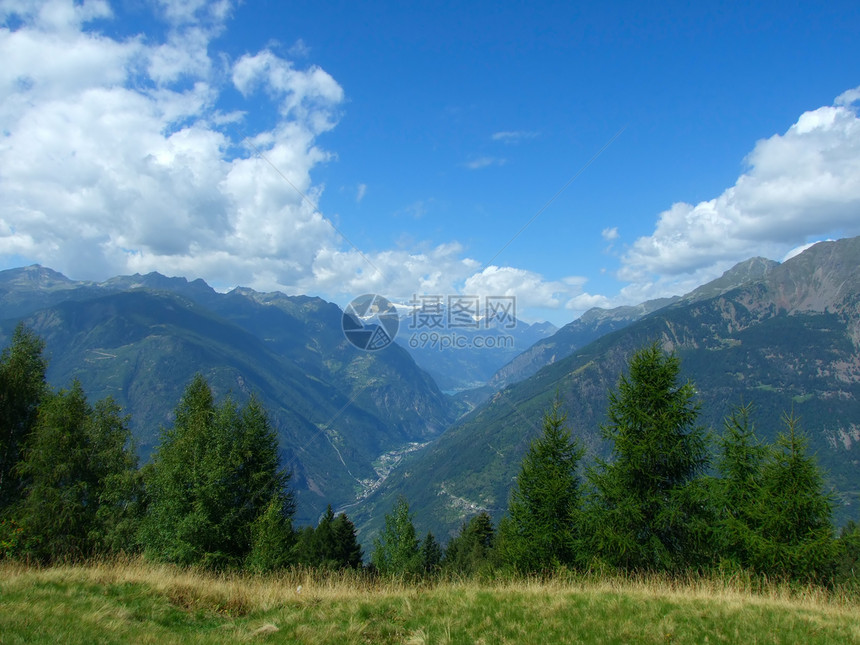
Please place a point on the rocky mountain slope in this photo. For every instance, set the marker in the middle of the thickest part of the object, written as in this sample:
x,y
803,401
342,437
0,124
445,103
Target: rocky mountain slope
x,y
339,412
781,336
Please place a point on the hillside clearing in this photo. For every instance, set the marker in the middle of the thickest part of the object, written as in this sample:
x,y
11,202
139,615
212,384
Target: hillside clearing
x,y
144,603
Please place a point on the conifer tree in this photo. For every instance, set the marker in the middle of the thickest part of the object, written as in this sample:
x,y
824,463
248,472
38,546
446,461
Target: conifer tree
x,y
22,386
543,523
469,552
348,552
649,509
738,489
272,538
848,555
793,536
82,496
396,549
431,554
214,474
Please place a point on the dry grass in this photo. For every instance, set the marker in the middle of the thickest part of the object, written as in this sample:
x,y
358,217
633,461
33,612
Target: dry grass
x,y
138,601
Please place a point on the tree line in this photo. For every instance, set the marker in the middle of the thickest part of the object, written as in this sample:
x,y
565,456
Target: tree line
x,y
670,498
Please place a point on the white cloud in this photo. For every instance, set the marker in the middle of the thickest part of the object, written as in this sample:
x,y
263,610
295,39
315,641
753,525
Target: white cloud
x,y
800,249
848,97
115,160
299,49
802,184
514,136
609,234
484,162
531,289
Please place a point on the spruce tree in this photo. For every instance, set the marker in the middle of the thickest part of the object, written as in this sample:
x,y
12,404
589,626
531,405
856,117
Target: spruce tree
x,y
213,475
348,552
470,551
738,489
794,534
82,495
22,386
848,555
272,538
120,484
543,524
431,554
396,549
648,511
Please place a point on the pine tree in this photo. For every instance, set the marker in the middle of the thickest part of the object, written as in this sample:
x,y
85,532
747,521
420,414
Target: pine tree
x,y
325,542
22,386
58,509
469,552
272,538
649,509
349,553
331,545
120,484
431,554
848,555
213,476
396,549
306,550
738,489
794,535
256,477
543,524
82,495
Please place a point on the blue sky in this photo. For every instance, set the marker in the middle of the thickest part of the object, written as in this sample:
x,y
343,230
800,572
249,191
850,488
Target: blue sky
x,y
420,138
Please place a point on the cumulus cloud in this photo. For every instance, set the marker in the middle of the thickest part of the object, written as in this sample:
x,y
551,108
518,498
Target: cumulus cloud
x,y
531,289
799,185
117,158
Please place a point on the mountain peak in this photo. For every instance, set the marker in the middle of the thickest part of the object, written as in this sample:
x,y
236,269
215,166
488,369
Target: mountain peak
x,y
35,275
741,274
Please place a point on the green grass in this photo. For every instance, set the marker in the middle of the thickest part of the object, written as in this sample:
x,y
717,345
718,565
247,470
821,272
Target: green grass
x,y
143,603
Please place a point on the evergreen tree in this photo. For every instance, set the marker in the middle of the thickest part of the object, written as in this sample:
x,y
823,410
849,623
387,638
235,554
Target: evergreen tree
x,y
648,511
848,555
738,489
431,554
332,545
306,551
214,474
22,386
543,523
396,549
272,538
120,485
82,496
326,542
469,552
256,477
793,534
349,553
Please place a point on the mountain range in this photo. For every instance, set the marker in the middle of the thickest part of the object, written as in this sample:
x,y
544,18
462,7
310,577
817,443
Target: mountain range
x,y
782,336
357,429
343,416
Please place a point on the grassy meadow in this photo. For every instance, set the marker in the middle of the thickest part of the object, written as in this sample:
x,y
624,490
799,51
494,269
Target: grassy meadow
x,y
138,602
